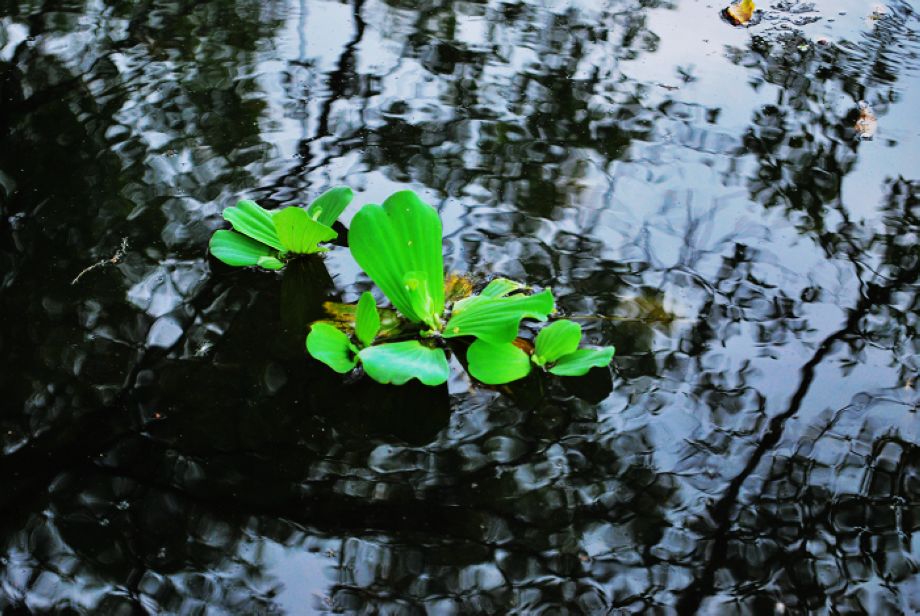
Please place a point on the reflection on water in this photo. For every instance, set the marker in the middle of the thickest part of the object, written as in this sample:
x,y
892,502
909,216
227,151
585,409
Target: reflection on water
x,y
695,194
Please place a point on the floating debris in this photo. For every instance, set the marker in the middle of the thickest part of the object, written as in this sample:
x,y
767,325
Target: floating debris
x,y
739,13
867,122
878,12
114,259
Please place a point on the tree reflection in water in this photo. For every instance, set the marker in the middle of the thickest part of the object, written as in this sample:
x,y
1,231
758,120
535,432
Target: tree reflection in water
x,y
169,447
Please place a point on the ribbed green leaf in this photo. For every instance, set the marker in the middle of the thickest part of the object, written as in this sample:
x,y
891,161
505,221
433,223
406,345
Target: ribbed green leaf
x,y
327,208
236,249
582,360
401,237
298,232
367,320
395,363
332,347
497,319
416,287
496,364
555,340
250,219
500,287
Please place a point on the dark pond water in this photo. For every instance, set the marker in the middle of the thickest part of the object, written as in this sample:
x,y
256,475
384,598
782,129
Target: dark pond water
x,y
695,194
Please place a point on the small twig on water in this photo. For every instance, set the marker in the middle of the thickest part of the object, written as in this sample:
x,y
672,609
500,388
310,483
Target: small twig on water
x,y
115,258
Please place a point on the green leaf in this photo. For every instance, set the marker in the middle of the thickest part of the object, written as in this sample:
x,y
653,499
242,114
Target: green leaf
x,y
501,287
367,321
497,319
497,364
298,232
345,315
238,250
270,263
332,347
555,340
582,360
416,286
327,208
256,222
397,362
402,237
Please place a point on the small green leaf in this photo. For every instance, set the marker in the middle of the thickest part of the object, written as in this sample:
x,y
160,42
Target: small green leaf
x,y
497,319
400,237
345,315
497,364
298,232
256,222
501,287
398,362
327,208
555,340
582,360
367,321
332,347
270,263
238,250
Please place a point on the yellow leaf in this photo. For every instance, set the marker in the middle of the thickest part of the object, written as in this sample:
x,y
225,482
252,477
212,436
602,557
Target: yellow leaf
x,y
740,13
456,287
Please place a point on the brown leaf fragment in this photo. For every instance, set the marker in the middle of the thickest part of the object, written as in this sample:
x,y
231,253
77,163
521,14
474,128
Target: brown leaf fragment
x,y
524,345
867,122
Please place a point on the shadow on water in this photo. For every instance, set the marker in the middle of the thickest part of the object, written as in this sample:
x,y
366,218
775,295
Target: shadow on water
x,y
167,446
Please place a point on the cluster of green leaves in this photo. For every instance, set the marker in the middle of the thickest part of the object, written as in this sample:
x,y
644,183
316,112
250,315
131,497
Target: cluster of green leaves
x,y
387,362
398,244
555,350
268,239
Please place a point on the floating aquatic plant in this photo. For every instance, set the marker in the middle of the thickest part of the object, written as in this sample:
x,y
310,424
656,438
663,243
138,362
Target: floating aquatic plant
x,y
398,244
555,350
268,239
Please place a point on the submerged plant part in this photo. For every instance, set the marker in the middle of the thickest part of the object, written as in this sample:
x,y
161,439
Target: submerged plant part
x,y
555,350
398,244
269,238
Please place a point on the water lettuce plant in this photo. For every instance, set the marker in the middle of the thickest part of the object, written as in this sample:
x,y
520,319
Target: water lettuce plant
x,y
268,239
555,350
398,244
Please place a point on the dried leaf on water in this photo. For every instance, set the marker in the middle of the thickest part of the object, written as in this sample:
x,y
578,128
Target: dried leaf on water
x,y
867,122
878,12
740,13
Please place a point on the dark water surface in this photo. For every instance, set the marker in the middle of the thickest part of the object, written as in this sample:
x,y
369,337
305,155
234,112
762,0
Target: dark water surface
x,y
695,194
